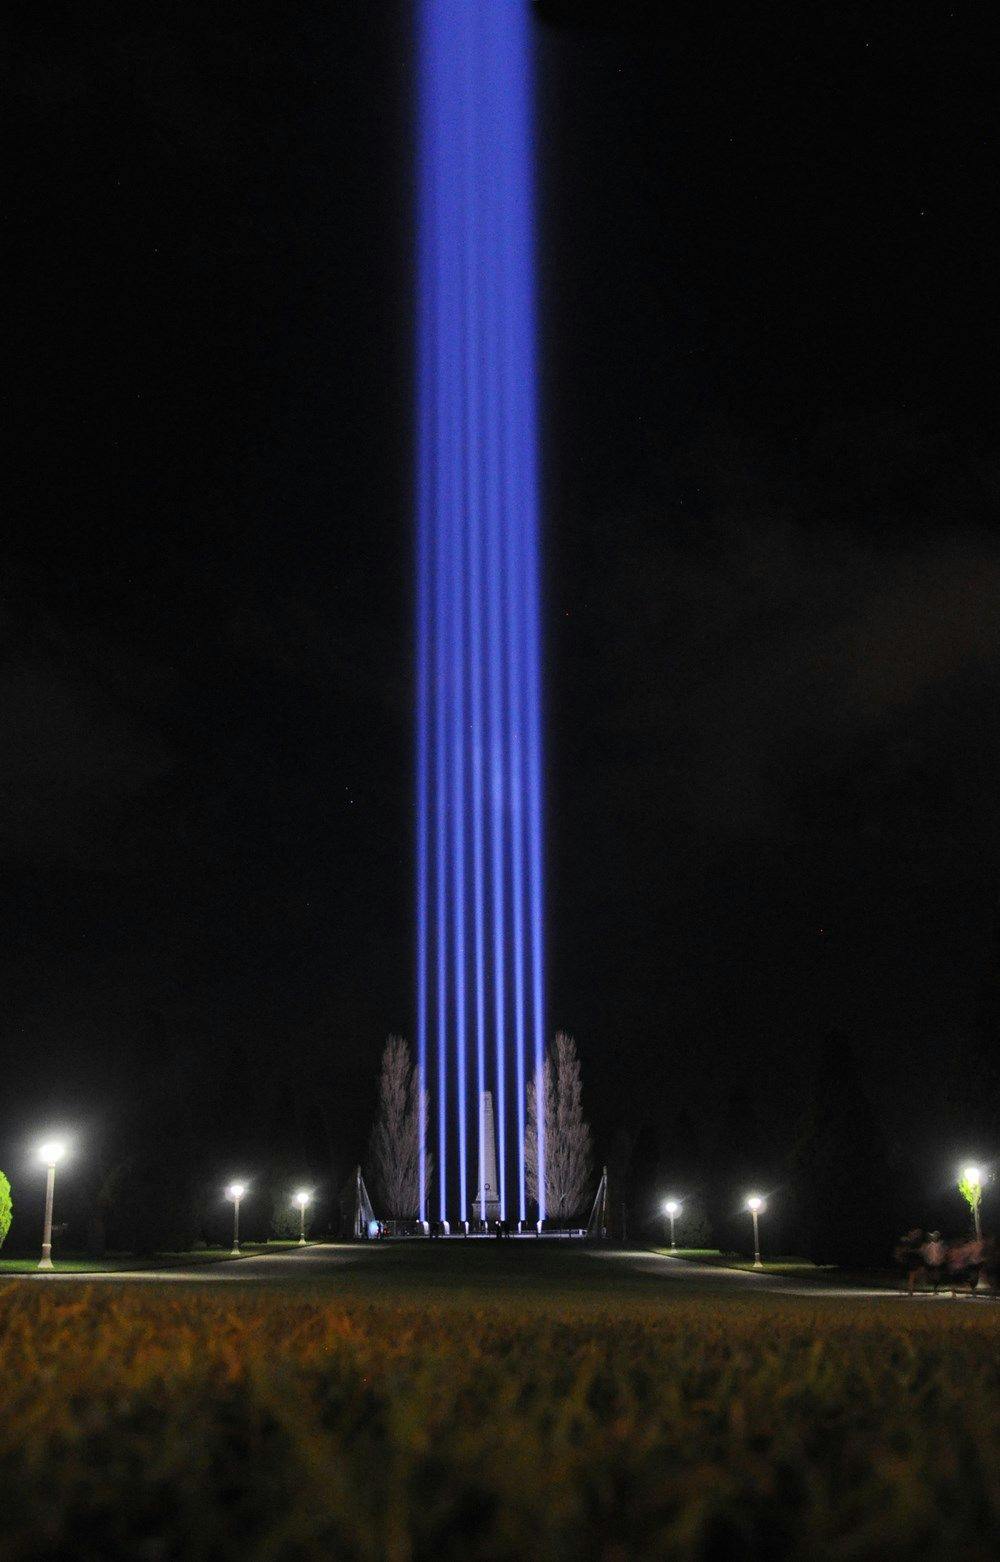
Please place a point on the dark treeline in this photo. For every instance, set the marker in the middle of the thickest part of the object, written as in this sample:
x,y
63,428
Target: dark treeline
x,y
838,1178
149,1161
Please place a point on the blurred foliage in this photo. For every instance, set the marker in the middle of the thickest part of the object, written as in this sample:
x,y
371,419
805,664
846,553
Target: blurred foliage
x,y
227,1424
6,1207
970,1191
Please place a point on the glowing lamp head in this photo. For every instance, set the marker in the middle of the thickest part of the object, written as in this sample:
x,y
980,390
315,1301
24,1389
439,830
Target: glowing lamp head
x,y
973,1176
755,1203
301,1198
51,1152
236,1190
671,1207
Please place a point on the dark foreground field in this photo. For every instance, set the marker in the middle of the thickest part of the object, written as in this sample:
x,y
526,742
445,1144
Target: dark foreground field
x,y
492,1401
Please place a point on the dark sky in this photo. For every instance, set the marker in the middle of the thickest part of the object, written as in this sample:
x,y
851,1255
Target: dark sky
x,y
768,283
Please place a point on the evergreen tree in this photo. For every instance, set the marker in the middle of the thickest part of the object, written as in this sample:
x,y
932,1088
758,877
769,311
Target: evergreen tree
x,y
395,1143
619,1182
684,1152
741,1162
684,1167
646,1184
839,1204
567,1137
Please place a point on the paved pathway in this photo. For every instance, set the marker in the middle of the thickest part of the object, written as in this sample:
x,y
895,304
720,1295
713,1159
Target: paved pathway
x,y
686,1271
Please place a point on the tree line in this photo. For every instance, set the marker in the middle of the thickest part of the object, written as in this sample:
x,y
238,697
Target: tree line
x,y
837,1183
840,1185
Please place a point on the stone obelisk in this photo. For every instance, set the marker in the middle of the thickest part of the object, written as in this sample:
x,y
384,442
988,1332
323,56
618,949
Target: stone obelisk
x,y
487,1203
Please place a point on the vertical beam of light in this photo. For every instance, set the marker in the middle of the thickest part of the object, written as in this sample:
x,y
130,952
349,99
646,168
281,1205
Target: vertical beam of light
x,y
497,842
426,333
495,660
434,373
525,332
423,795
472,317
515,785
458,797
479,838
458,458
510,413
455,457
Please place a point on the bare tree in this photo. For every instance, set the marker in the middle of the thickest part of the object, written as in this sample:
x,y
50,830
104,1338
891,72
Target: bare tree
x,y
567,1137
395,1141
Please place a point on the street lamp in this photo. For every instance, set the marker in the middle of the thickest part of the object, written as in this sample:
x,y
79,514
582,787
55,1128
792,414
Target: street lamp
x,y
302,1198
50,1154
235,1191
973,1179
756,1206
672,1209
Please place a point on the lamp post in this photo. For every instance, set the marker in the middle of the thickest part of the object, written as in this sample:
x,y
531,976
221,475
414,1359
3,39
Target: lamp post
x,y
973,1179
756,1206
302,1199
50,1154
672,1209
235,1191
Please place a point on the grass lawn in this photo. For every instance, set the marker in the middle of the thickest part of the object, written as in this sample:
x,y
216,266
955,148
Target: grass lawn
x,y
119,1263
792,1268
489,1400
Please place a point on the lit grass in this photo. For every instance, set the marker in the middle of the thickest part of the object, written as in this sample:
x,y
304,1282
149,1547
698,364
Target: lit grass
x,y
126,1263
65,1266
793,1268
233,1421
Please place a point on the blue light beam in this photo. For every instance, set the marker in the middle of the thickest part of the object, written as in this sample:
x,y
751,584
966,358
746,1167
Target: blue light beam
x,y
479,778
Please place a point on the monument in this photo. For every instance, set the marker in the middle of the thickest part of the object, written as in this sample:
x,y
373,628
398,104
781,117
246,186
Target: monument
x,y
487,1202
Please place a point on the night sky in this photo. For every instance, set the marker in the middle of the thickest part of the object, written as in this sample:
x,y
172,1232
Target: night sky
x,y
772,605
